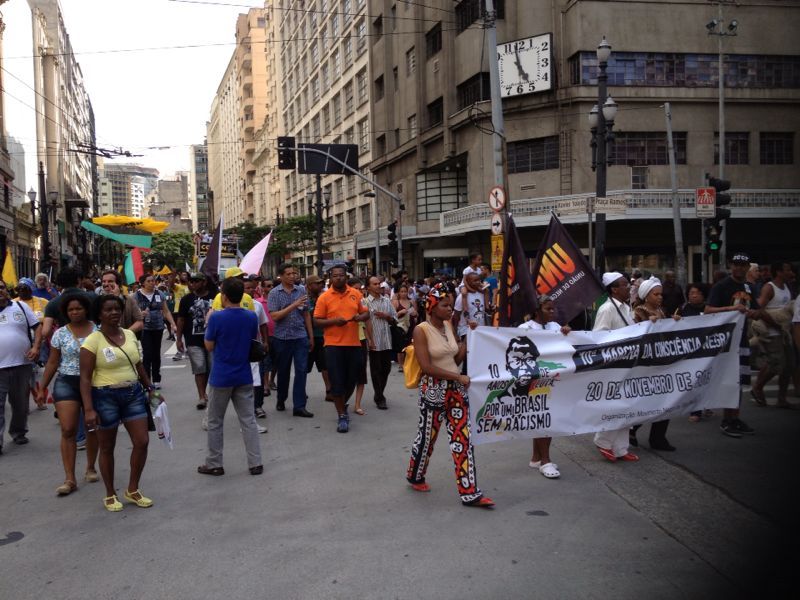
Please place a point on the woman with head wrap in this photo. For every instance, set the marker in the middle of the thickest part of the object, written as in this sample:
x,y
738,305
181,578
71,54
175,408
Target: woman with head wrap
x,y
649,308
443,396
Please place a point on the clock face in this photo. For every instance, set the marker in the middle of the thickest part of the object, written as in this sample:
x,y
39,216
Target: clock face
x,y
526,66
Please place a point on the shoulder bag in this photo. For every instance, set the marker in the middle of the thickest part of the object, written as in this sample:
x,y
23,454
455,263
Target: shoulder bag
x,y
151,424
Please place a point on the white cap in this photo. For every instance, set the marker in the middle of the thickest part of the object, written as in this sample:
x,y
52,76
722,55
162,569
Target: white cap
x,y
647,286
610,277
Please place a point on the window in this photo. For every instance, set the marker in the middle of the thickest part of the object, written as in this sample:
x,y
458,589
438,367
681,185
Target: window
x,y
351,221
338,190
363,136
337,110
315,128
473,90
397,137
314,54
347,11
334,25
340,225
361,85
366,217
688,70
336,64
736,148
412,126
411,61
349,101
323,76
469,11
776,148
377,27
440,191
348,136
326,120
433,40
361,34
351,185
642,148
347,46
435,112
639,178
536,154
379,88
380,145
315,88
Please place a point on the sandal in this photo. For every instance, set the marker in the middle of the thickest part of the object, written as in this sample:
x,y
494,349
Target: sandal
x,y
759,398
421,487
206,470
91,476
607,454
138,499
550,470
482,502
360,411
112,503
66,488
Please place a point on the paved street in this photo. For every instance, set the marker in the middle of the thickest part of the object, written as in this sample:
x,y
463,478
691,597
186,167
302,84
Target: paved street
x,y
332,516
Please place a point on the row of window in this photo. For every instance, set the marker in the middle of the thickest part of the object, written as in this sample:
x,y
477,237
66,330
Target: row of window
x,y
643,148
688,70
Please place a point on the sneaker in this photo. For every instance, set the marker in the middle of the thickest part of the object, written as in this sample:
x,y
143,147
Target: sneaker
x,y
261,429
344,424
21,440
743,427
728,428
82,445
261,413
157,385
178,356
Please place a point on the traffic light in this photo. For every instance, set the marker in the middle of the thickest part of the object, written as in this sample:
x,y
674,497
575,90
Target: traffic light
x,y
392,228
286,157
723,199
713,235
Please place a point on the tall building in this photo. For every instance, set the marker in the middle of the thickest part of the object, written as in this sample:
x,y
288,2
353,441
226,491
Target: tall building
x,y
172,204
124,187
223,150
325,99
65,131
432,137
199,203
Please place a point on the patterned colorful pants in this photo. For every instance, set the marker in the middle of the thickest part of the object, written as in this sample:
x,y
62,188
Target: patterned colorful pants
x,y
441,400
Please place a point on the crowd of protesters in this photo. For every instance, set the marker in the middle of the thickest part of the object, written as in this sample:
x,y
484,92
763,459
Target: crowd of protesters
x,y
101,342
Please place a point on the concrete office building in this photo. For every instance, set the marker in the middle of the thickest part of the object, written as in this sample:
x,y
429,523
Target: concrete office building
x,y
325,92
124,187
223,150
431,127
199,205
172,203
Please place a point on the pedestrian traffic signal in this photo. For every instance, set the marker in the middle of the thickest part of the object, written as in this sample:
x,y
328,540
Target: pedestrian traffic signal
x,y
393,247
713,234
721,186
286,154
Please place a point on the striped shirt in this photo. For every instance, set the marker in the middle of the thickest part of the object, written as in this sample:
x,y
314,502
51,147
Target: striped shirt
x,y
381,332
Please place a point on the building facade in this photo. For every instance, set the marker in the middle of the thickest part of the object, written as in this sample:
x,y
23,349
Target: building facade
x,y
124,187
172,203
199,204
223,150
433,144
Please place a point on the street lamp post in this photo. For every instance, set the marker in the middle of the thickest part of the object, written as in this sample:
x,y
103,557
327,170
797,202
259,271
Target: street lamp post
x,y
601,123
377,227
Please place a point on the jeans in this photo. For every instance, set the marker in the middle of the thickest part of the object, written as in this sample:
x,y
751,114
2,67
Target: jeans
x,y
151,349
15,385
241,397
287,351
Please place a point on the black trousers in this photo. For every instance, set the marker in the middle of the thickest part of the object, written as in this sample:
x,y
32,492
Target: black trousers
x,y
151,349
380,365
658,431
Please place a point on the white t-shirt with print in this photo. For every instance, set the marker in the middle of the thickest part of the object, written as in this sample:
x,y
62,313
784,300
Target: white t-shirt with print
x,y
15,338
474,311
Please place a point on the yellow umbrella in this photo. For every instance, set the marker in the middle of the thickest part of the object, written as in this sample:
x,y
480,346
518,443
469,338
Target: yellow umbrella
x,y
147,224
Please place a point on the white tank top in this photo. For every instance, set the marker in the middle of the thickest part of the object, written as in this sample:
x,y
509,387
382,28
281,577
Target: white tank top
x,y
780,297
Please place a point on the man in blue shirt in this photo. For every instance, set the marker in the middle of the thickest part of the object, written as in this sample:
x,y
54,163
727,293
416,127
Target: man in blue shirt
x,y
228,336
293,339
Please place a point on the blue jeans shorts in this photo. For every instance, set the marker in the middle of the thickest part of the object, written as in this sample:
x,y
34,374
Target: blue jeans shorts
x,y
119,404
67,387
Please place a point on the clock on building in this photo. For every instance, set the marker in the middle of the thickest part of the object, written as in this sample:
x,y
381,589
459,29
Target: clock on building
x,y
526,66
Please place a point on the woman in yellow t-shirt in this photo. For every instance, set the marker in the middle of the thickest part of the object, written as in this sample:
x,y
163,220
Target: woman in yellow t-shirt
x,y
111,372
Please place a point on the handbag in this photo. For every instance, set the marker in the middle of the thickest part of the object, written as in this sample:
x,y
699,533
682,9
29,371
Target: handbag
x,y
257,351
412,372
151,424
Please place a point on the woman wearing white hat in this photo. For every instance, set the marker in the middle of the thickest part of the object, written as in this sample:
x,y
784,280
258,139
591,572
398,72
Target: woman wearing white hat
x,y
614,313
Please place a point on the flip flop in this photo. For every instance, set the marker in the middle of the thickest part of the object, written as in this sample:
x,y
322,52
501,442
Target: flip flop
x,y
360,411
759,398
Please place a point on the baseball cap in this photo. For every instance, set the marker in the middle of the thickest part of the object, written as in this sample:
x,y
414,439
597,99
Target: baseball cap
x,y
26,282
313,279
196,276
233,272
740,257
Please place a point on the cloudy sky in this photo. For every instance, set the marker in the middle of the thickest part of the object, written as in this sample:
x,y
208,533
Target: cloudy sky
x,y
146,91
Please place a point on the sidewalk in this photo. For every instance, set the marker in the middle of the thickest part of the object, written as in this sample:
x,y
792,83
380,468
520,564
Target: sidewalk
x,y
332,516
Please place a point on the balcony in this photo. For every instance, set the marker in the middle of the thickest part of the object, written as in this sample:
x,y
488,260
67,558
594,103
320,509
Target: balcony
x,y
638,204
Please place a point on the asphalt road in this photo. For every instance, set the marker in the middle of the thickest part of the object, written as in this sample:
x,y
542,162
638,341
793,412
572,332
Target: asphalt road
x,y
333,517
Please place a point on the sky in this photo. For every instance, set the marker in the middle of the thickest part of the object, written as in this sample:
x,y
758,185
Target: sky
x,y
151,102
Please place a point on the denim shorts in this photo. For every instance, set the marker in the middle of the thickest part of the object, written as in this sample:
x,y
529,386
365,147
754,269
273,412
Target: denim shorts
x,y
67,387
115,405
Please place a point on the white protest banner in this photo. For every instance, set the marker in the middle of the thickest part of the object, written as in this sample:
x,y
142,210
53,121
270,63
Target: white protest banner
x,y
527,383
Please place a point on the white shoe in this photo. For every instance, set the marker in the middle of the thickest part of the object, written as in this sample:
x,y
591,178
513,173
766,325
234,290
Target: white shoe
x,y
204,423
550,470
535,464
261,429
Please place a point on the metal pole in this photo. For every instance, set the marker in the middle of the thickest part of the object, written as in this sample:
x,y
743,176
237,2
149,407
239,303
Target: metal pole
x,y
680,257
498,125
399,238
377,266
721,67
590,212
602,96
318,212
44,259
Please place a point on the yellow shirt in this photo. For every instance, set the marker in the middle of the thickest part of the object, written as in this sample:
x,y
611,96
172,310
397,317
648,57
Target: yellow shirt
x,y
247,302
37,305
111,367
179,292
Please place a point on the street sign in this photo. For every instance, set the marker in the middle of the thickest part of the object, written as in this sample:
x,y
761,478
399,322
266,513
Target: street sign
x,y
497,252
497,224
705,202
608,206
497,198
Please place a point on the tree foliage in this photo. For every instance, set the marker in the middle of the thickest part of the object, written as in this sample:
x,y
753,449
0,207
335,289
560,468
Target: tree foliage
x,y
249,235
296,234
172,249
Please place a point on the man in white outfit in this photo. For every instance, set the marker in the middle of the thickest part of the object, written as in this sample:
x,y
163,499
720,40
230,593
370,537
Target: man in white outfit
x,y
614,313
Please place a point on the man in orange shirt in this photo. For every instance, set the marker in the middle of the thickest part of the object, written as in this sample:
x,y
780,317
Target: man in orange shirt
x,y
338,312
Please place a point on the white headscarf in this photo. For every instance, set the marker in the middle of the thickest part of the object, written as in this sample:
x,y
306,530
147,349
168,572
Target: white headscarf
x,y
647,286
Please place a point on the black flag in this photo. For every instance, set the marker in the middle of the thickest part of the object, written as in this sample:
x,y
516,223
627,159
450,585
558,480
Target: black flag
x,y
211,263
564,274
517,300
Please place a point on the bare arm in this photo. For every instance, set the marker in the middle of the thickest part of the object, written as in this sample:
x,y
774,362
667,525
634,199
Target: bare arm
x,y
167,315
279,315
49,371
424,359
87,364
